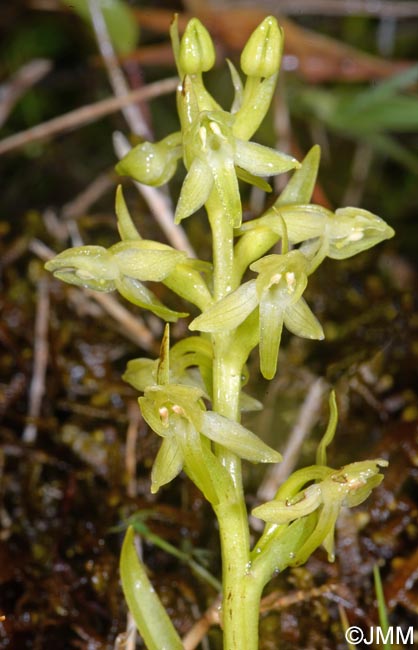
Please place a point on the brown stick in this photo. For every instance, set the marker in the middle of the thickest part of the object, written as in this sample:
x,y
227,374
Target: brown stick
x,y
40,361
86,114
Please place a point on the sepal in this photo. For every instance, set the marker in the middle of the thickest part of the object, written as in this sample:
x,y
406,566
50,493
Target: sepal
x,y
91,267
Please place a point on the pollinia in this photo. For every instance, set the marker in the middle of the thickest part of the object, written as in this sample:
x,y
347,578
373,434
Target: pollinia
x,y
192,395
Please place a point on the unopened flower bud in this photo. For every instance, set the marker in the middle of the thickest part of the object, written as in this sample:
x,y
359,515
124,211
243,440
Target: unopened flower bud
x,y
262,54
197,53
152,163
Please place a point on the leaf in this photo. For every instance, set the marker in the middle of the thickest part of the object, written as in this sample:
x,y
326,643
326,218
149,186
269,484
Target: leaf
x,y
387,88
145,606
390,147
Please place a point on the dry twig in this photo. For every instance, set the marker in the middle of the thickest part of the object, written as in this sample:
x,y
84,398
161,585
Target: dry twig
x,y
26,77
82,202
380,9
132,327
307,417
132,113
40,361
86,114
199,630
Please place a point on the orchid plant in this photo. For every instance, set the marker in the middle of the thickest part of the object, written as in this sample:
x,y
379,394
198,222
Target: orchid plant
x,y
192,395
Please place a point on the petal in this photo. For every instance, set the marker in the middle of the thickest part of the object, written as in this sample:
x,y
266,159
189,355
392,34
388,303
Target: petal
x,y
138,294
226,183
237,439
229,312
195,191
301,321
271,327
262,161
167,465
353,230
141,373
285,511
151,415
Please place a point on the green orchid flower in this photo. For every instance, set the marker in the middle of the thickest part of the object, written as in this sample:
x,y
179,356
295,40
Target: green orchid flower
x,y
216,159
214,143
320,503
122,267
177,413
323,233
277,292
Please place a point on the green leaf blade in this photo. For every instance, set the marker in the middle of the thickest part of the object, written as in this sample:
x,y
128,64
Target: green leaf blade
x,y
144,604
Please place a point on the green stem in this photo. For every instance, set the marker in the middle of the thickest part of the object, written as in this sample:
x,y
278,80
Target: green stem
x,y
241,592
